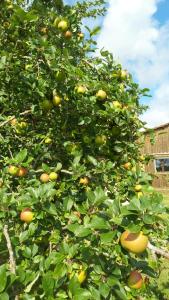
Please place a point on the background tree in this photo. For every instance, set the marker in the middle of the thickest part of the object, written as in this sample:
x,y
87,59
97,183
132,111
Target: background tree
x,y
72,179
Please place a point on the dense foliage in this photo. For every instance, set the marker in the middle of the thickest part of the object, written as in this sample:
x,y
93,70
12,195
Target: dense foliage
x,y
68,112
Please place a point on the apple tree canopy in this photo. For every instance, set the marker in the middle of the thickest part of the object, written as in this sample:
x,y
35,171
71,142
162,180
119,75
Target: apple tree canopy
x,y
70,161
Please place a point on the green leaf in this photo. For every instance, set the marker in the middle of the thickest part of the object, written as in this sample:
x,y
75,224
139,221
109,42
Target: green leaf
x,y
4,296
104,290
107,237
48,283
99,223
120,293
3,278
20,157
79,230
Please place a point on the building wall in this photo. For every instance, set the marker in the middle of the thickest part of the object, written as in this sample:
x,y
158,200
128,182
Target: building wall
x,y
160,149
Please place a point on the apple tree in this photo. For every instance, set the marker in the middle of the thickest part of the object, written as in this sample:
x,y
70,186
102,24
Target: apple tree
x,y
79,218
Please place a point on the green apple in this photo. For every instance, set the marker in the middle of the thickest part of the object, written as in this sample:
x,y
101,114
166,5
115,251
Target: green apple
x,y
100,139
46,105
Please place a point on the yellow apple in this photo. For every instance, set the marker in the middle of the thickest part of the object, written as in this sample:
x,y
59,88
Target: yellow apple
x,y
80,35
13,170
123,74
56,100
53,176
139,194
48,140
26,215
135,280
101,95
81,89
81,276
84,181
117,104
138,187
134,242
62,25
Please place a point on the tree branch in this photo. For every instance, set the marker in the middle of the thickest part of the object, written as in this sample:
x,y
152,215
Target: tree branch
x,y
159,251
13,117
12,264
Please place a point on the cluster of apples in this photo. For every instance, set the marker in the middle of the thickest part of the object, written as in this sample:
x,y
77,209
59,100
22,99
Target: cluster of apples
x,y
138,187
63,26
135,243
48,177
17,171
100,95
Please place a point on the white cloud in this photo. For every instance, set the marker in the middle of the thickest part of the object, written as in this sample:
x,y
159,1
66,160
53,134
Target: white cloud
x,y
131,32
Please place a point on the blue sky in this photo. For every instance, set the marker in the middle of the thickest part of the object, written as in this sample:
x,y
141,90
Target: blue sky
x,y
137,33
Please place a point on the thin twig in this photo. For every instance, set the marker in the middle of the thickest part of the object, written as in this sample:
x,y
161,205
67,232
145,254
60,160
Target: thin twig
x,y
159,251
67,172
12,264
13,117
29,287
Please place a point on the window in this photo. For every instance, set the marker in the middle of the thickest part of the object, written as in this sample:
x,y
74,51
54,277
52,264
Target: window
x,y
162,164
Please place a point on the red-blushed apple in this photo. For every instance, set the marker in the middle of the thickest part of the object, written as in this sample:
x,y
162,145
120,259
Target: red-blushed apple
x,y
135,280
127,165
22,172
101,95
53,176
134,242
68,34
44,178
26,215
